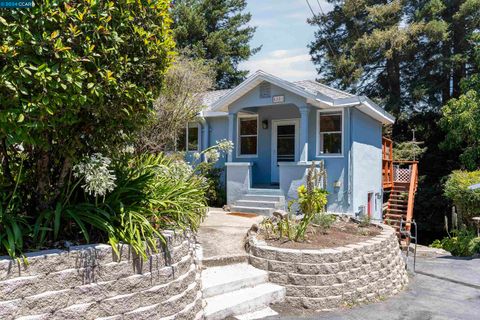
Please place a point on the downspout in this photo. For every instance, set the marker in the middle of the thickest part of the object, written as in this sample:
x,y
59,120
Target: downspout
x,y
350,161
205,133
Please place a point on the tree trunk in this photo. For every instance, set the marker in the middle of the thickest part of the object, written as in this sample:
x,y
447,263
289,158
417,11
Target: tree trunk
x,y
6,162
43,180
393,74
459,48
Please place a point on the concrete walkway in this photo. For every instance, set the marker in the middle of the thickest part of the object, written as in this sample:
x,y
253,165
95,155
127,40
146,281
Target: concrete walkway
x,y
444,287
222,237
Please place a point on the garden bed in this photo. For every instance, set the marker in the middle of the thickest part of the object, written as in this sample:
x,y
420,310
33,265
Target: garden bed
x,y
326,278
339,234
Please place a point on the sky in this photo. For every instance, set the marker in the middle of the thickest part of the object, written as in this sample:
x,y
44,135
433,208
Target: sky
x,y
284,34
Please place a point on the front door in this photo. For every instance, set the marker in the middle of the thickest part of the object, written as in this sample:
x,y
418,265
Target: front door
x,y
284,144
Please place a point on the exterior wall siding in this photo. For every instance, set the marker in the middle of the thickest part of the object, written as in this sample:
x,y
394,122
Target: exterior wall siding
x,y
351,176
367,162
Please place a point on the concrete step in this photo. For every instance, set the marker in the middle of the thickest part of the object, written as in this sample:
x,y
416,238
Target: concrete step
x,y
243,301
220,280
274,192
262,197
258,203
256,210
260,314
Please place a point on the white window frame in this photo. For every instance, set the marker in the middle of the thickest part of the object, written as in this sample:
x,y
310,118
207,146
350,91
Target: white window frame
x,y
342,132
199,143
239,117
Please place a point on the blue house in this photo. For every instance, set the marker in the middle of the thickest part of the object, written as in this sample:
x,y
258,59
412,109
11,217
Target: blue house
x,y
279,128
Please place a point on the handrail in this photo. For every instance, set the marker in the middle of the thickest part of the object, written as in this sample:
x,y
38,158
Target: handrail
x,y
412,190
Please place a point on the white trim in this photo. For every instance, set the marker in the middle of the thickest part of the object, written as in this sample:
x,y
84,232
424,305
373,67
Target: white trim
x,y
273,160
246,116
318,99
317,133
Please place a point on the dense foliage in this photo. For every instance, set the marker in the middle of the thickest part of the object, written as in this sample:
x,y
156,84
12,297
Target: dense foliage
x,y
461,119
463,243
76,78
217,31
78,83
408,55
466,200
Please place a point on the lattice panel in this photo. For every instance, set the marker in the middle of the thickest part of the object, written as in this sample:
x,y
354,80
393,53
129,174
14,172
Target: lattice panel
x,y
402,174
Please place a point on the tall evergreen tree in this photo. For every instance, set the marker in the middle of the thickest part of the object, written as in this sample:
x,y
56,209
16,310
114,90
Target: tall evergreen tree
x,y
218,31
409,55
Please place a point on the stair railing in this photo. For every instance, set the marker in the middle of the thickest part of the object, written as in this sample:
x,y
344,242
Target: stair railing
x,y
412,190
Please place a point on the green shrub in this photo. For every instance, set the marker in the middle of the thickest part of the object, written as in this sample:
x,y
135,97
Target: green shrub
x,y
461,243
311,202
465,200
324,221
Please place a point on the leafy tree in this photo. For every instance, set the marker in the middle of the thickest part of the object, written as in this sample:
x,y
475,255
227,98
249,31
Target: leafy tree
x,y
408,55
216,30
461,122
76,77
179,102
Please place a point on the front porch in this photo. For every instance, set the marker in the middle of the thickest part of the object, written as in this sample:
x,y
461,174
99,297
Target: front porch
x,y
268,137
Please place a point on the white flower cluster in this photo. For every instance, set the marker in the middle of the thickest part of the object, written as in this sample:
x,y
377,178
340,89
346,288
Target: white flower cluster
x,y
212,155
225,145
178,170
99,179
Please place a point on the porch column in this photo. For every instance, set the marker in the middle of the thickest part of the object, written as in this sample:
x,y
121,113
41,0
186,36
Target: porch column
x,y
304,110
232,118
205,133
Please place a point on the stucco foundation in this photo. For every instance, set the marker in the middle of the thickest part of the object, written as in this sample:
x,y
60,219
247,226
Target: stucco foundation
x,y
90,282
331,278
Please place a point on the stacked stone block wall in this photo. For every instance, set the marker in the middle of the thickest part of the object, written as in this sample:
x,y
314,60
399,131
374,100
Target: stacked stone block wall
x,y
92,282
330,278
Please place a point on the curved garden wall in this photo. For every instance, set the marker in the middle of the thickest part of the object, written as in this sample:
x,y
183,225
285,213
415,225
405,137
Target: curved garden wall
x,y
331,278
89,282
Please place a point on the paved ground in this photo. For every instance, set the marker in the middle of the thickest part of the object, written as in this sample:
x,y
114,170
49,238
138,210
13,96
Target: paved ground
x,y
222,235
444,288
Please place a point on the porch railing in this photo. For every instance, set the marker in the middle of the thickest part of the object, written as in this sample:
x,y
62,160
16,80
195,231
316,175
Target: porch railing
x,y
387,163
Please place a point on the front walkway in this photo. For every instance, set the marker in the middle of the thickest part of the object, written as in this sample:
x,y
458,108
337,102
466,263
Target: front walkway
x,y
444,288
222,236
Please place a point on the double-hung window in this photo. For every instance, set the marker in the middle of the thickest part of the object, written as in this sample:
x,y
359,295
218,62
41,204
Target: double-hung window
x,y
248,135
330,133
188,139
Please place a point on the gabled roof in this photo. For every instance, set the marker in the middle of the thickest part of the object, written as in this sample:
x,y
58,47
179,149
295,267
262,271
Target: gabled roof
x,y
315,93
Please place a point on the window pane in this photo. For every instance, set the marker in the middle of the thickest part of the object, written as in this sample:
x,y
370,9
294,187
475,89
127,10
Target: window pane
x,y
330,122
248,126
193,138
248,145
181,140
331,143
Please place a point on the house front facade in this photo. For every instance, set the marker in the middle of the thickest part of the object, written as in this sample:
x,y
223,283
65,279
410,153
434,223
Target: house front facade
x,y
279,128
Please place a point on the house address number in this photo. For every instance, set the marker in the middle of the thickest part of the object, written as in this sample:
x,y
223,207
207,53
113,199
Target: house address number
x,y
278,99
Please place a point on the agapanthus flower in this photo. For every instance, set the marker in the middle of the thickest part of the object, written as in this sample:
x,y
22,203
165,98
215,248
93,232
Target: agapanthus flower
x,y
225,145
212,155
98,178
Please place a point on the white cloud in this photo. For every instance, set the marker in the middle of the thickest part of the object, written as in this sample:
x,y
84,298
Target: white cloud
x,y
294,64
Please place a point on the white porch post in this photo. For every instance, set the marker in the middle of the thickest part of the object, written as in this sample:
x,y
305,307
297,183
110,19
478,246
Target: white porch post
x,y
304,110
232,117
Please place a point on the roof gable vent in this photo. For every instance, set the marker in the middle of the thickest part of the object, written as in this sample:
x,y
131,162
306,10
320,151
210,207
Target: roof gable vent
x,y
265,90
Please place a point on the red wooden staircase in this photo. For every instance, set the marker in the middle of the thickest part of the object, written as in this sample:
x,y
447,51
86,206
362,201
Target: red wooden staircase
x,y
401,179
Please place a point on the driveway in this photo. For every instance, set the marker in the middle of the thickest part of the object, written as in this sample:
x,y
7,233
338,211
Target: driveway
x,y
444,287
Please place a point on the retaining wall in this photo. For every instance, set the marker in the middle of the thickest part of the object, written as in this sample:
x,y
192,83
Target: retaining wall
x,y
330,278
90,282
